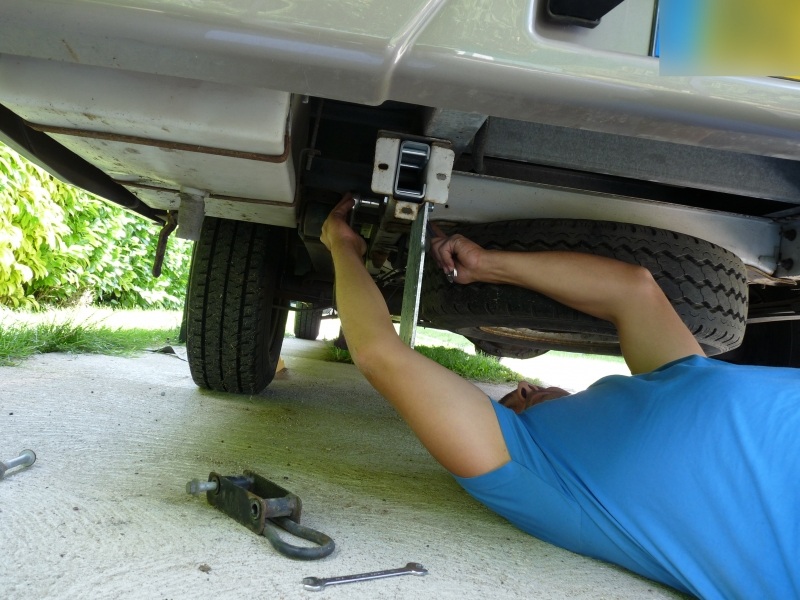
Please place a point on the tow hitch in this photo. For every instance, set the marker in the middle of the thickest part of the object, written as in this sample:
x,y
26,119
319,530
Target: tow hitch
x,y
415,175
262,506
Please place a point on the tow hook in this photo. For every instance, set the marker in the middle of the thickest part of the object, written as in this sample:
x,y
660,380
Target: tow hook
x,y
262,506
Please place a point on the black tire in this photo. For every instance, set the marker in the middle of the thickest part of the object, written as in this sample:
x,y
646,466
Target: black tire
x,y
235,322
507,350
307,321
706,284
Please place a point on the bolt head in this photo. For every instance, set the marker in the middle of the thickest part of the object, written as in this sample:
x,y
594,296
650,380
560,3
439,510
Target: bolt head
x,y
29,456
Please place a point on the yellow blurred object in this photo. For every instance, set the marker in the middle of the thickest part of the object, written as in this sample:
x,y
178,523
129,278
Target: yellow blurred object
x,y
752,38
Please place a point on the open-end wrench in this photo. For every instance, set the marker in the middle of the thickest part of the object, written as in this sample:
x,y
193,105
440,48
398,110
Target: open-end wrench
x,y
315,584
451,275
25,459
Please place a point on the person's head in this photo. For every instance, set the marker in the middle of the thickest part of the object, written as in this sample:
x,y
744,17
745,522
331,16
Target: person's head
x,y
527,395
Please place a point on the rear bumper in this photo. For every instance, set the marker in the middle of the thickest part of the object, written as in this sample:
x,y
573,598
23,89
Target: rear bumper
x,y
496,59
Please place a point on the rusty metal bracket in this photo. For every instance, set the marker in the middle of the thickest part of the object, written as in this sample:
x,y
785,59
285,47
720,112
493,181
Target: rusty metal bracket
x,y
262,506
161,249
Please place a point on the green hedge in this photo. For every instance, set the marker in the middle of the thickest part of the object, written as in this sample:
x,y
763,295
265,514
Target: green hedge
x,y
60,245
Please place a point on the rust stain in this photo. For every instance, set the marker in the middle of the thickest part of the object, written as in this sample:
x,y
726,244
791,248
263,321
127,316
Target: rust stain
x,y
105,137
72,52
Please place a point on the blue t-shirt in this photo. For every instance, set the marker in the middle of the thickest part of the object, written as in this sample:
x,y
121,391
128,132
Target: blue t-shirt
x,y
688,475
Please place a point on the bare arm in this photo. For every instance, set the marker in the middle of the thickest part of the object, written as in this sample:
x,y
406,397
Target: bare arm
x,y
650,331
451,417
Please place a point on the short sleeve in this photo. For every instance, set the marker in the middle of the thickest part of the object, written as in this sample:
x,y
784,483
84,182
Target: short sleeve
x,y
525,491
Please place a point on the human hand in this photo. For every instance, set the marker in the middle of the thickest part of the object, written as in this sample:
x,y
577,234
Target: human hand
x,y
336,230
457,254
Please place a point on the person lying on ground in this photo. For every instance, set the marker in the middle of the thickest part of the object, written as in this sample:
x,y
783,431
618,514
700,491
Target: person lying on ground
x,y
686,472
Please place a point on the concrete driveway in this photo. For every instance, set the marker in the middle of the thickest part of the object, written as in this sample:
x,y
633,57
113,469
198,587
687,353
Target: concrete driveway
x,y
103,512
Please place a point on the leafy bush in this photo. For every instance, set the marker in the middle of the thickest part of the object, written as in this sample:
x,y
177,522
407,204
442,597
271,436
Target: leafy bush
x,y
59,245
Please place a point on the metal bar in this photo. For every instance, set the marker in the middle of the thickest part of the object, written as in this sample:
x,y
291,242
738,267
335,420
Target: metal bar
x,y
722,170
754,239
66,165
412,289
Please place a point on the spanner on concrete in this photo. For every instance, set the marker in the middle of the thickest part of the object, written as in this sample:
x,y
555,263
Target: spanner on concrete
x,y
315,584
25,459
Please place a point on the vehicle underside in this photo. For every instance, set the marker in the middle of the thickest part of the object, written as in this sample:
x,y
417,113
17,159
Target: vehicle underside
x,y
708,201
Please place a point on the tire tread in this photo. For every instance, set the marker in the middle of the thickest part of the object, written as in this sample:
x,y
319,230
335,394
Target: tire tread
x,y
234,332
706,284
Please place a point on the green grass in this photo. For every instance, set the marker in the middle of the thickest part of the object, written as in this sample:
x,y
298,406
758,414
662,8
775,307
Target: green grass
x,y
440,337
338,355
125,332
477,367
22,340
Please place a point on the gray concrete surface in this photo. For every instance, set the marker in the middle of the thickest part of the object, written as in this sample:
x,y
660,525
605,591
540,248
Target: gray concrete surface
x,y
103,512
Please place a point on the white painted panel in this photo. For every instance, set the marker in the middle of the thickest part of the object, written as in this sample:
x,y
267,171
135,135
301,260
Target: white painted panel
x,y
627,28
253,212
174,169
271,213
469,55
481,199
233,117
